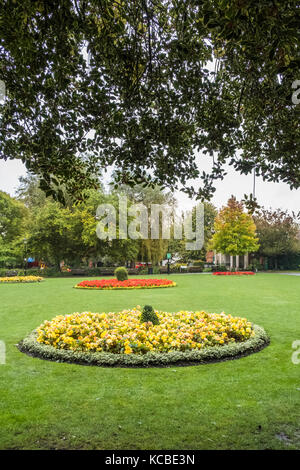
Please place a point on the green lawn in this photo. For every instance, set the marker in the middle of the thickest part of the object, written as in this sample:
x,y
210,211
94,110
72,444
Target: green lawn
x,y
249,403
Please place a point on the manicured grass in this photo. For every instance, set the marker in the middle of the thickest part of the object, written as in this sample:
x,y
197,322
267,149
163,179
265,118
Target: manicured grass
x,y
249,403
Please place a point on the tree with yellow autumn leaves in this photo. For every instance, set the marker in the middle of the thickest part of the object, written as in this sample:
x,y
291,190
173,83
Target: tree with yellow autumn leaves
x,y
235,230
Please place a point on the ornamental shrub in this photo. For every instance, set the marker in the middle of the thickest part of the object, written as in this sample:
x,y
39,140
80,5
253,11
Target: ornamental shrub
x,y
121,274
174,268
219,268
148,314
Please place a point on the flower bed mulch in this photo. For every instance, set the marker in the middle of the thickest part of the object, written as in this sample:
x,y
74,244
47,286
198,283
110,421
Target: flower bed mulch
x,y
128,284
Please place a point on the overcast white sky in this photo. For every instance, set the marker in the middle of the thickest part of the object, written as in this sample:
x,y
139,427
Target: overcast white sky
x,y
275,195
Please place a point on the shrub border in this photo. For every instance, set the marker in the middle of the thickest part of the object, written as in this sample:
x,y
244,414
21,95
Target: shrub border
x,y
30,346
125,288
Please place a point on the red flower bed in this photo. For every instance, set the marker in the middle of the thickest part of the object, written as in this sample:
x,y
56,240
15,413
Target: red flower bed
x,y
128,284
233,273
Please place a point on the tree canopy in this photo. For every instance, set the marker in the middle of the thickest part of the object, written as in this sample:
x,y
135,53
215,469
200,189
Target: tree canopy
x,y
235,231
91,84
13,218
57,232
278,233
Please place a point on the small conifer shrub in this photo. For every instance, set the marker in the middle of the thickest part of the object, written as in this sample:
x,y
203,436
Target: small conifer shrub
x,y
121,274
148,314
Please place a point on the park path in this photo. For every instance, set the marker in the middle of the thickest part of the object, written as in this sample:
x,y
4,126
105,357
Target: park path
x,y
291,274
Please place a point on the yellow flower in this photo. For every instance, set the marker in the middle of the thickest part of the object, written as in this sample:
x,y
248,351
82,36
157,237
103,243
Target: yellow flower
x,y
122,332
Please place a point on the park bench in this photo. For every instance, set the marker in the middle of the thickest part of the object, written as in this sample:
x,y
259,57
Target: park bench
x,y
11,273
79,272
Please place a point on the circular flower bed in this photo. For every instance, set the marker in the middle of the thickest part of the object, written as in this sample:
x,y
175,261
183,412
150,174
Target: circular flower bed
x,y
20,279
233,273
128,284
122,339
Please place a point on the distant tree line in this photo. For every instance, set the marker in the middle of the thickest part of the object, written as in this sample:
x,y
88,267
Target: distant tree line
x,y
34,225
